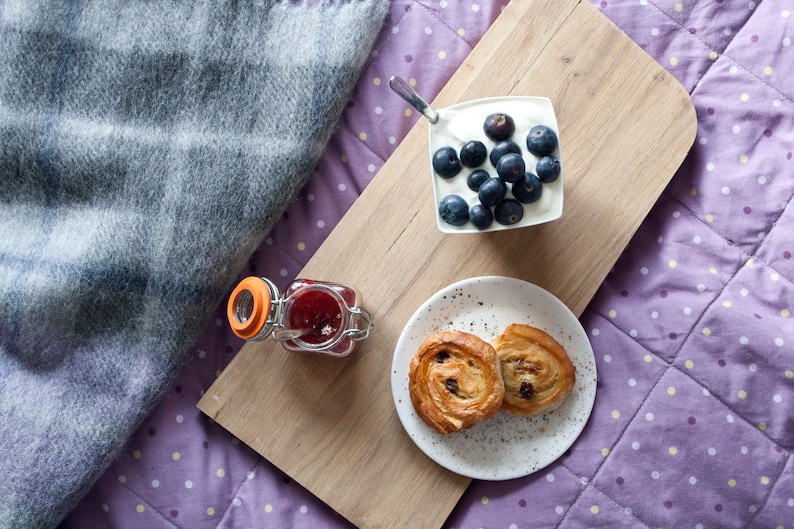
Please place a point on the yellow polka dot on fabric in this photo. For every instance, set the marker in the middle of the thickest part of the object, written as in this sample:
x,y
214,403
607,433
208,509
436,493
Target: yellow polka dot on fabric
x,y
140,508
442,55
461,32
713,55
709,218
764,480
594,509
679,8
484,500
744,158
749,262
672,263
605,452
210,510
362,136
768,70
648,359
689,364
726,304
301,246
615,414
613,313
175,456
785,313
731,482
412,81
673,61
742,394
136,454
220,473
408,113
344,159
377,81
706,331
785,13
762,426
671,390
713,270
744,97
693,192
268,508
672,450
789,373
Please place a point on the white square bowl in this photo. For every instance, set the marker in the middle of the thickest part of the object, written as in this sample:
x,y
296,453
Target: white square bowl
x,y
463,122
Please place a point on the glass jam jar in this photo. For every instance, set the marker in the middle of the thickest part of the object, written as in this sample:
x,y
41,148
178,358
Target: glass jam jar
x,y
311,316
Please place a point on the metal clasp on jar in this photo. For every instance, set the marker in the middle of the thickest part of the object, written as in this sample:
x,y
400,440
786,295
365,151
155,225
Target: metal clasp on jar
x,y
359,315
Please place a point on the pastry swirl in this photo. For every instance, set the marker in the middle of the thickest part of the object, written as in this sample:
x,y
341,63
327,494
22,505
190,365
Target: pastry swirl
x,y
538,374
455,381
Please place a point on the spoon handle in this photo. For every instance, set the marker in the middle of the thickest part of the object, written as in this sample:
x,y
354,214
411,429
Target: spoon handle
x,y
404,90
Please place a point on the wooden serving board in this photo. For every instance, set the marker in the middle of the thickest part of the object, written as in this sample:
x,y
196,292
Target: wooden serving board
x,y
625,127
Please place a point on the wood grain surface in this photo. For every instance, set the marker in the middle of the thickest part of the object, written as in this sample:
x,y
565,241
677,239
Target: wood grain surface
x,y
625,127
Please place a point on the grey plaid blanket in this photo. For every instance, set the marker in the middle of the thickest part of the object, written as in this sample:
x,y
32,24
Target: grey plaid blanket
x,y
146,149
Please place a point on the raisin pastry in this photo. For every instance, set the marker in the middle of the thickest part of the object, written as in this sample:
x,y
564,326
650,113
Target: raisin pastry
x,y
455,381
537,373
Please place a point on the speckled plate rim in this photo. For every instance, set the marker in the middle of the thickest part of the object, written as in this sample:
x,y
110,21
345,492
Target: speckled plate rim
x,y
503,447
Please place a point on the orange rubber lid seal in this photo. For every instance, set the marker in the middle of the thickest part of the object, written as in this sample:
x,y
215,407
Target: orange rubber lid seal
x,y
259,303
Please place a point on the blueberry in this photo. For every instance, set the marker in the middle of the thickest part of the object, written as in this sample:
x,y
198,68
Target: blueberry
x,y
480,216
508,211
528,189
548,169
492,191
499,126
511,167
476,178
541,140
454,210
502,148
473,153
446,162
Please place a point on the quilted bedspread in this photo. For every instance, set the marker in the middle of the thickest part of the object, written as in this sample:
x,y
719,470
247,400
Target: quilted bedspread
x,y
693,332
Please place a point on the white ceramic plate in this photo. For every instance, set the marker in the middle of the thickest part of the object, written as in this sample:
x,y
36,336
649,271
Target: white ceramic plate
x,y
505,446
460,123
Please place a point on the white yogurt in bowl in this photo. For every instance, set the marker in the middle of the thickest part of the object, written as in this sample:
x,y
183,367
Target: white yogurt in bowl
x,y
463,122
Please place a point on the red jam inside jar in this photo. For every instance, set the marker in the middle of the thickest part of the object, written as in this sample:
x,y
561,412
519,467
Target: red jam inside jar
x,y
325,314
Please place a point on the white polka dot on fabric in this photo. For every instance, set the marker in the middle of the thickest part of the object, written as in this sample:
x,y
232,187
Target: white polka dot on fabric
x,y
635,445
304,509
711,451
692,480
428,30
155,483
649,416
549,477
188,484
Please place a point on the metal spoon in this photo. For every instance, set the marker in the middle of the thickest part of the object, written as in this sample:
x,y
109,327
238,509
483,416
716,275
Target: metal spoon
x,y
282,335
404,90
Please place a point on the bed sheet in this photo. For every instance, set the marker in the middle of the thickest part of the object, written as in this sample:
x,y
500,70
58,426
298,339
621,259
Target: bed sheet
x,y
693,332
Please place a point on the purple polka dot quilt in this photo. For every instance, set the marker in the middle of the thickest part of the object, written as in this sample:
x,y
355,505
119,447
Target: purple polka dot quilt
x,y
693,331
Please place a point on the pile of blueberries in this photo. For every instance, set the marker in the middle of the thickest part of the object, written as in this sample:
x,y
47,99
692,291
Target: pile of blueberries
x,y
494,203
